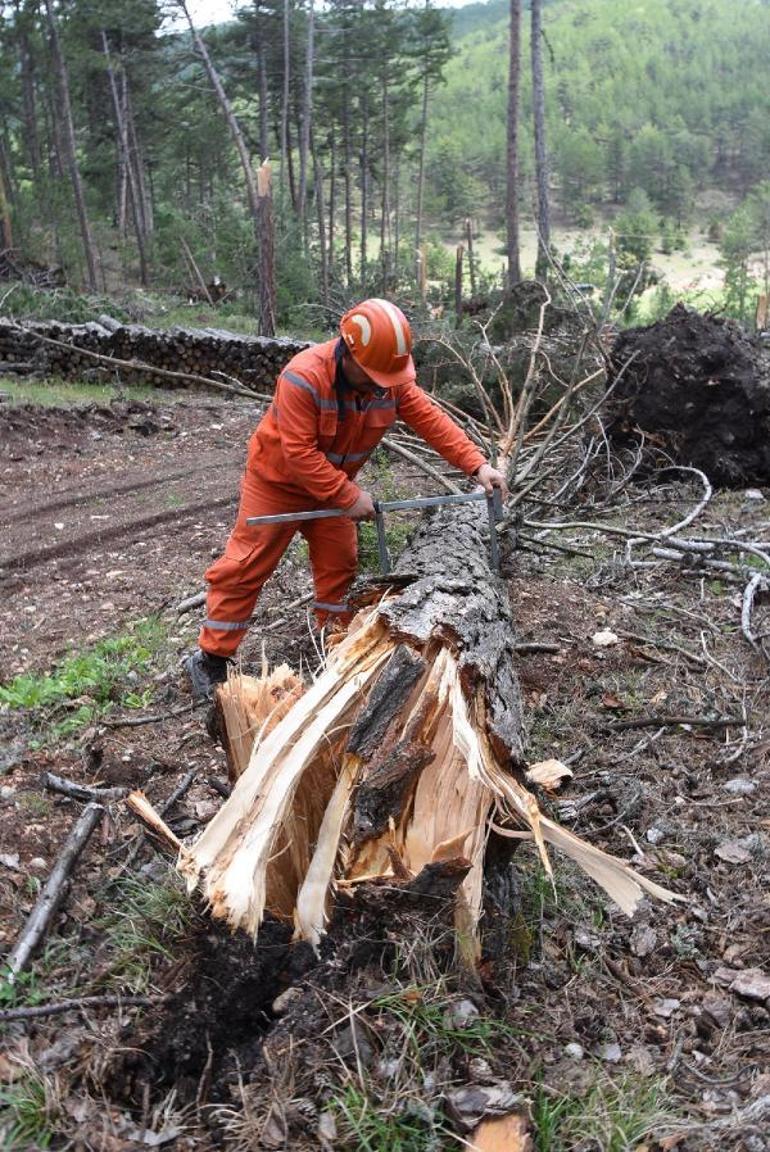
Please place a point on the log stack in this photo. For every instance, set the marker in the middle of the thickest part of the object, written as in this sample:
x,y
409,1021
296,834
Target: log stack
x,y
251,361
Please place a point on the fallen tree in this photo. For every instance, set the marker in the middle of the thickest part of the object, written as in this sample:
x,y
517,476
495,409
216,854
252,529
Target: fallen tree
x,y
396,764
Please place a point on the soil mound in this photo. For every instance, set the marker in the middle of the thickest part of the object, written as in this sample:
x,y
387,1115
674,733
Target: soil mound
x,y
701,386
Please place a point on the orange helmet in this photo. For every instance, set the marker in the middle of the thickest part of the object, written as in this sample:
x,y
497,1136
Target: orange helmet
x,y
378,337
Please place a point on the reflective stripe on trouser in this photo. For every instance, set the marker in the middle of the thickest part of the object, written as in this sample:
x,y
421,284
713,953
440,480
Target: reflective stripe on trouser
x,y
251,556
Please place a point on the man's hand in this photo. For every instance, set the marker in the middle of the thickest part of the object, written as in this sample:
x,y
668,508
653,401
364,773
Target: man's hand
x,y
363,509
489,479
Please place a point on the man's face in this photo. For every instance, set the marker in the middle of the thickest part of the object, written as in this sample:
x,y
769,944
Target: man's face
x,y
355,375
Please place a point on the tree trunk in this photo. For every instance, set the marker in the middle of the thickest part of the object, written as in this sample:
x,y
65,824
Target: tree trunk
x,y
264,100
364,190
421,178
266,251
31,138
390,765
230,117
318,180
385,197
143,183
348,153
285,101
512,185
6,230
307,112
332,197
124,150
541,156
70,147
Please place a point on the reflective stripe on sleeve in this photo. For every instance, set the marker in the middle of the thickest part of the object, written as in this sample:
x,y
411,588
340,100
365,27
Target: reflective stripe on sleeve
x,y
226,625
324,607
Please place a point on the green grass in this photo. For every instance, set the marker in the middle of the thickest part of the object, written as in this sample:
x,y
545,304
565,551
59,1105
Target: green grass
x,y
87,683
142,922
612,1116
53,392
25,1114
361,1126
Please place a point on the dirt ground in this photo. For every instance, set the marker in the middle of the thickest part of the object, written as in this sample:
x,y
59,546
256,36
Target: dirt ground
x,y
652,1033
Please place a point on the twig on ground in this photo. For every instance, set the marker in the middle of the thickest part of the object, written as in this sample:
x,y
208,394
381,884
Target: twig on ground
x,y
674,722
140,721
190,602
757,583
83,792
58,1007
53,891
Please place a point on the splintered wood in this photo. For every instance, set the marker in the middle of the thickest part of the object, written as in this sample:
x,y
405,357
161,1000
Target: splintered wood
x,y
398,761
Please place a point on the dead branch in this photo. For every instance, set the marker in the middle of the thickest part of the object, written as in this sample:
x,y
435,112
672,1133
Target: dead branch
x,y
58,1007
53,892
81,791
757,583
674,722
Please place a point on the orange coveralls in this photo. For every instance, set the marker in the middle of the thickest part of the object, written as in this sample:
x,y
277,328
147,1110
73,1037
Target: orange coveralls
x,y
303,455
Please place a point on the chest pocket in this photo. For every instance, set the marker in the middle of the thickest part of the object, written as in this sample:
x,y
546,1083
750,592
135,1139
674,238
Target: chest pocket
x,y
327,427
380,416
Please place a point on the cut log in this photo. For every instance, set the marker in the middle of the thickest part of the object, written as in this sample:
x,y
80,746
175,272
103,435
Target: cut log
x,y
393,762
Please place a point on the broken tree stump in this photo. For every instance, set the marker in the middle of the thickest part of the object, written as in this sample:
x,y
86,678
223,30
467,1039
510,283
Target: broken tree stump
x,y
389,766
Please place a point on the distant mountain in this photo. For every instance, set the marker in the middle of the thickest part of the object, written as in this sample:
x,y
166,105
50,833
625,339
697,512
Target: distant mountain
x,y
669,97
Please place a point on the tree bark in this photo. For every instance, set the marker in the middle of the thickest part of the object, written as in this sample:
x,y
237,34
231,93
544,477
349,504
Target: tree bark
x,y
421,179
318,180
70,147
124,149
6,230
29,103
285,96
541,155
512,184
266,251
305,130
389,765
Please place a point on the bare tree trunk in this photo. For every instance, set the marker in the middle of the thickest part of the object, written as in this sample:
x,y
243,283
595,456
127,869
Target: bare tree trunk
x,y
6,231
385,200
266,251
332,196
541,156
307,113
459,284
319,193
364,196
348,188
264,135
31,138
285,159
421,178
230,117
124,150
144,186
512,183
471,256
70,147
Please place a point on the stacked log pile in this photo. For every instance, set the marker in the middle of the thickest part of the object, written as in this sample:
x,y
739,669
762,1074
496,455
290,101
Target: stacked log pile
x,y
73,351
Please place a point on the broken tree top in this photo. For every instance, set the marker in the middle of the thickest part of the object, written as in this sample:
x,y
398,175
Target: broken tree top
x,y
701,385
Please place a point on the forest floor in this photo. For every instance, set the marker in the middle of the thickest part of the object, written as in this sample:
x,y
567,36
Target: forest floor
x,y
652,1033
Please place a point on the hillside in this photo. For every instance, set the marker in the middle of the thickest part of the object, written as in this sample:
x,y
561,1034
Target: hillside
x,y
669,96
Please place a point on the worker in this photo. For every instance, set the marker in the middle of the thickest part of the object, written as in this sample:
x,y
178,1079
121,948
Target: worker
x,y
333,404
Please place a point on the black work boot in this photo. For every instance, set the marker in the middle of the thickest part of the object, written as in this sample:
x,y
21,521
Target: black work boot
x,y
205,671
